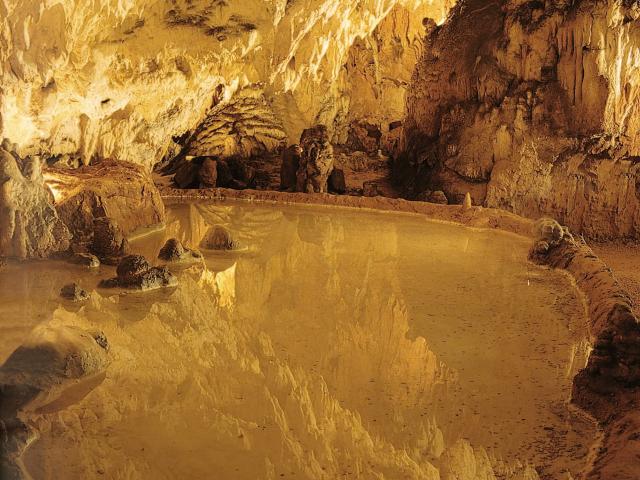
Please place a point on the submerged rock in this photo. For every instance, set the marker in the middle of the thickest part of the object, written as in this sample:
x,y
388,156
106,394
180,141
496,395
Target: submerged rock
x,y
132,266
219,238
134,272
50,360
86,259
174,251
73,292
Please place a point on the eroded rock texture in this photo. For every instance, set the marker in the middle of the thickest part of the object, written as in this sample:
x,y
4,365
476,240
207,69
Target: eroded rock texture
x,y
29,224
316,160
110,79
532,107
121,192
608,386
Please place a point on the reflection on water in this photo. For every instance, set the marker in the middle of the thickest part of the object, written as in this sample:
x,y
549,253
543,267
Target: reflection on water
x,y
338,345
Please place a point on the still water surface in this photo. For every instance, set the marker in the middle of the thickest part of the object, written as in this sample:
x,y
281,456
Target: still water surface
x,y
339,344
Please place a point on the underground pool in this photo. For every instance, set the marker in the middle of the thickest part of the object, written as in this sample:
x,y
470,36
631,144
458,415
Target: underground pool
x,y
330,344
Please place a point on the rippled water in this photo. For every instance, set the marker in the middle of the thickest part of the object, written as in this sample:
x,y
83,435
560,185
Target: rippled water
x,y
340,344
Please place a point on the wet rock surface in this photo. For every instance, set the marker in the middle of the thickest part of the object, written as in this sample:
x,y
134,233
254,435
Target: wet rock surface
x,y
134,272
84,259
74,293
219,238
174,251
36,378
609,386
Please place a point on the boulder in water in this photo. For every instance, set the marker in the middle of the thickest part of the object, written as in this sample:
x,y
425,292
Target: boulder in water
x,y
73,292
134,272
174,251
219,238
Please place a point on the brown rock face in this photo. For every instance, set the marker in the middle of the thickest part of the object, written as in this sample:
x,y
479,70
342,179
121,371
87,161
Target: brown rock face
x,y
518,105
364,137
134,272
208,174
120,191
289,167
29,225
316,161
337,182
108,241
186,175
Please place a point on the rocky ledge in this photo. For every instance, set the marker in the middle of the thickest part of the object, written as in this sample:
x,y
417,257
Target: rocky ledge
x,y
609,386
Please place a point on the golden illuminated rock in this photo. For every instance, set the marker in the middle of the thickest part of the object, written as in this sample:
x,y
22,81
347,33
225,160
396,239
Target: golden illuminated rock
x,y
118,79
533,108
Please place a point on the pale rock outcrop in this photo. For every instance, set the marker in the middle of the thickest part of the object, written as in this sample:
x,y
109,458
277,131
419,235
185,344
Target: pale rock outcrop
x,y
37,378
52,359
110,79
29,224
376,77
533,108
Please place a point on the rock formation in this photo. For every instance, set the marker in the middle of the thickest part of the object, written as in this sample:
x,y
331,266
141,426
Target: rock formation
x,y
119,191
531,107
316,160
108,241
54,360
134,272
290,162
219,238
29,225
127,80
174,251
74,292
